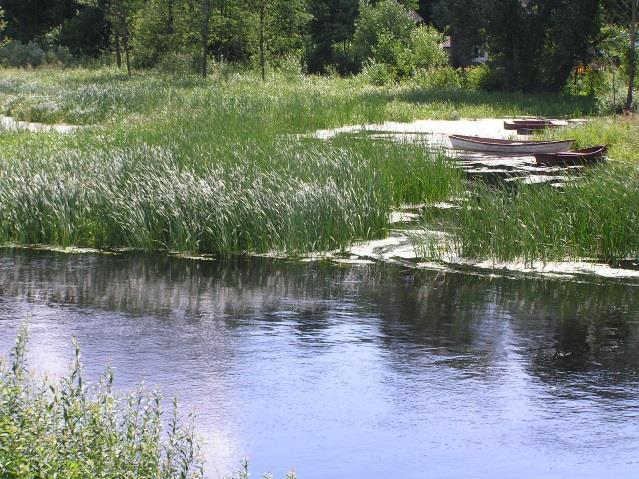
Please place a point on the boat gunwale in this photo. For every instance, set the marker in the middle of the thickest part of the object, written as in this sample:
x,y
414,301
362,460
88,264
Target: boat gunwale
x,y
501,142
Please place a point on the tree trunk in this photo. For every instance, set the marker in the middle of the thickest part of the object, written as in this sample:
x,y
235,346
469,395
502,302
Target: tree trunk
x,y
126,51
632,54
262,54
118,53
170,20
206,13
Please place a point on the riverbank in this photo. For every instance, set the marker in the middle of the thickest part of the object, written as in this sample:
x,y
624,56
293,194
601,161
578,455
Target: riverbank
x,y
233,167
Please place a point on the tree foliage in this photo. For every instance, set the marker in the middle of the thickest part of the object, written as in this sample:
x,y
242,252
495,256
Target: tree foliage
x,y
536,43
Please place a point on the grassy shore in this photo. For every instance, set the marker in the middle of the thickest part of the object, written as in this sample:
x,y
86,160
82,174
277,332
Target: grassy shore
x,y
594,217
219,165
203,166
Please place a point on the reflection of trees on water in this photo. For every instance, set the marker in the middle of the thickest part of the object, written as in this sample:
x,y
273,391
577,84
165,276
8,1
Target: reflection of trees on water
x,y
471,322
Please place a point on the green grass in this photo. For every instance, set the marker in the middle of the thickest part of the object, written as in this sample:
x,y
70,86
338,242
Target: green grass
x,y
619,133
69,428
305,103
595,217
217,166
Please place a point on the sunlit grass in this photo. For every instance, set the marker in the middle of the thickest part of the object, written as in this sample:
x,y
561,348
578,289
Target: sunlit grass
x,y
216,166
596,217
621,134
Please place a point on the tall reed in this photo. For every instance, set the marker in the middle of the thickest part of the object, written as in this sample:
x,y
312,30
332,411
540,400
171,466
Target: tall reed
x,y
594,217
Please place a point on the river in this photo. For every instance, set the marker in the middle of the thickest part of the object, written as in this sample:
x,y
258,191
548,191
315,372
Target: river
x,y
351,371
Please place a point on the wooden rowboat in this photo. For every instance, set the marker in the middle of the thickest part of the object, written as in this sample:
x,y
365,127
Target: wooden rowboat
x,y
512,147
577,157
532,124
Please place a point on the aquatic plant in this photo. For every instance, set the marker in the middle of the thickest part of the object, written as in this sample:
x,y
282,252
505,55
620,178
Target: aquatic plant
x,y
214,172
69,428
594,217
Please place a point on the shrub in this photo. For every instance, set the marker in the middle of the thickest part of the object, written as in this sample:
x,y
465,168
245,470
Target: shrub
x,y
382,31
16,54
425,51
443,77
476,77
72,430
377,74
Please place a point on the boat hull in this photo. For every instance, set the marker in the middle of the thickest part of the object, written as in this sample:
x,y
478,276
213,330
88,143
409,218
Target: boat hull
x,y
491,145
578,157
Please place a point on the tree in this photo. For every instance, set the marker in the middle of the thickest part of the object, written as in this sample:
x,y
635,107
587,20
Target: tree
x,y
3,25
154,32
626,14
382,31
465,23
120,14
280,28
536,43
331,28
87,33
204,35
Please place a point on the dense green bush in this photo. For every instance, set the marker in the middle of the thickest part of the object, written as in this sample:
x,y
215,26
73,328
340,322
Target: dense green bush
x,y
476,77
442,77
70,429
16,54
378,74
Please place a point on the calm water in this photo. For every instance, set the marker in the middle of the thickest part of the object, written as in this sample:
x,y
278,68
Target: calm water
x,y
352,371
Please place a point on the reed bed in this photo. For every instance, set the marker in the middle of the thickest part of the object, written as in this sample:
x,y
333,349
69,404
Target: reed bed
x,y
68,428
201,167
304,102
292,198
221,165
596,217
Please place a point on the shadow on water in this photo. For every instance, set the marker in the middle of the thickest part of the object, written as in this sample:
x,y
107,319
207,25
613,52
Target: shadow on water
x,y
564,325
323,366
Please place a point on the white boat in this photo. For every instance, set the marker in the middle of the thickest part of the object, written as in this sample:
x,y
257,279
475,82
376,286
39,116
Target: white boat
x,y
493,145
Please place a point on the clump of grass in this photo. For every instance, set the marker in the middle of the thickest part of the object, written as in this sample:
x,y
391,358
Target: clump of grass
x,y
73,430
621,134
595,217
293,197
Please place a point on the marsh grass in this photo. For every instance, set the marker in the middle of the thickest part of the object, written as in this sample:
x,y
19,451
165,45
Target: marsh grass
x,y
71,429
218,166
595,217
621,134
303,104
294,197
217,170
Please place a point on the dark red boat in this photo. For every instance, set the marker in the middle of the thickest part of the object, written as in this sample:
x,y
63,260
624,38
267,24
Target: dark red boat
x,y
577,157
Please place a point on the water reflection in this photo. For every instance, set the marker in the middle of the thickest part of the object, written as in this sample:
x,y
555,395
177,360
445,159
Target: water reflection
x,y
352,371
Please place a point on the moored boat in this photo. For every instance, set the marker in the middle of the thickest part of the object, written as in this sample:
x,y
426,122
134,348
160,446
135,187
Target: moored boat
x,y
577,157
512,147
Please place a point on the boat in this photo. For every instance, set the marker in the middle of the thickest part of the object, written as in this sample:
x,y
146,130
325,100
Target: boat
x,y
533,125
577,157
493,145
